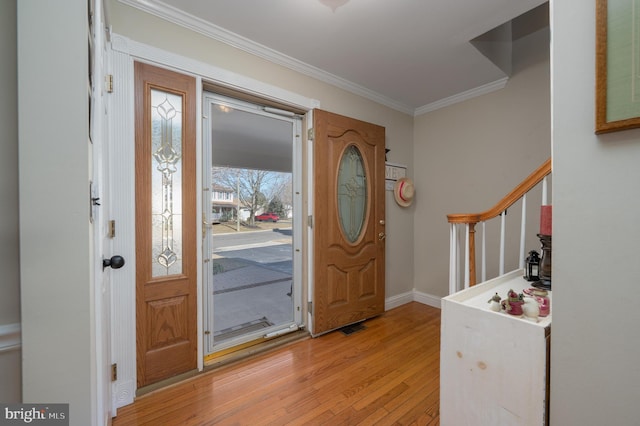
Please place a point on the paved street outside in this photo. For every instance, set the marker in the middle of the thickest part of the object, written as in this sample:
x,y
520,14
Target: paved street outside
x,y
252,279
232,227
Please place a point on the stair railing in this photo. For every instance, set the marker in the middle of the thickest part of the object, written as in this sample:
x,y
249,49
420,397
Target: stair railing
x,y
468,222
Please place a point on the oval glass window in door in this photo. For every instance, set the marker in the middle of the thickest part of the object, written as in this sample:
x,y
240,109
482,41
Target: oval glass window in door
x,y
352,193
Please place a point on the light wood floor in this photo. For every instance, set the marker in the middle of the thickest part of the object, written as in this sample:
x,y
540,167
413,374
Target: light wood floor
x,y
387,374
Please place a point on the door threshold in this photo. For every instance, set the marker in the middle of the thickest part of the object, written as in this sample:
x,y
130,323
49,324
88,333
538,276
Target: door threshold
x,y
252,348
166,382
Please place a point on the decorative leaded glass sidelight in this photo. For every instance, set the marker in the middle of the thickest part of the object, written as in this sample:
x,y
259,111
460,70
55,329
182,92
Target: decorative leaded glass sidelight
x,y
166,183
352,193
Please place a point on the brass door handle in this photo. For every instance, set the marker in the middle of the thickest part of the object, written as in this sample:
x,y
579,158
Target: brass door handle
x,y
204,220
382,236
205,225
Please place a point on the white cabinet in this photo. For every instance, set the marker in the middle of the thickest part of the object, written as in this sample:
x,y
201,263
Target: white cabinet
x,y
493,366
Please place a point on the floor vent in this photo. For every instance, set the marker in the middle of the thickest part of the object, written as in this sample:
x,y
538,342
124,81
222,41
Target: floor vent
x,y
350,329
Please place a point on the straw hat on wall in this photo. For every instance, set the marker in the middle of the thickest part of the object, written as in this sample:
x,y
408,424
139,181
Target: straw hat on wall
x,y
404,191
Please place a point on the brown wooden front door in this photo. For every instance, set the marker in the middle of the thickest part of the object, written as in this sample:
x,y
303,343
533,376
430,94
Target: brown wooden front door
x,y
348,224
166,258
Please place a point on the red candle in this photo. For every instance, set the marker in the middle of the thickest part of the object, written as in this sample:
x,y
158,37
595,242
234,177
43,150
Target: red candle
x,y
545,220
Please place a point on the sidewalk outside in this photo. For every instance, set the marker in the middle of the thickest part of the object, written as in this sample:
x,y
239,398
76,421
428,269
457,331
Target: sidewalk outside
x,y
249,295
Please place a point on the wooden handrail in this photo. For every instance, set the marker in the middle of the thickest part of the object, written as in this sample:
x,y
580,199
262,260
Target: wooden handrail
x,y
473,218
525,186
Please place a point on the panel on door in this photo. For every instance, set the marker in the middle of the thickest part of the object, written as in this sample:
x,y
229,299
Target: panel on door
x,y
349,218
166,257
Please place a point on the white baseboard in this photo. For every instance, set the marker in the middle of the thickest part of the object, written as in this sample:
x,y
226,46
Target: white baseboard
x,y
122,393
427,299
10,337
412,296
399,300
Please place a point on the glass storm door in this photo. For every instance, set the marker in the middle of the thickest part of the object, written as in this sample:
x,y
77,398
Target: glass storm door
x,y
348,225
250,198
166,256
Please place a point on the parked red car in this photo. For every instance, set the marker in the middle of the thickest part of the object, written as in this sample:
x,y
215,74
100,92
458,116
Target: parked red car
x,y
268,217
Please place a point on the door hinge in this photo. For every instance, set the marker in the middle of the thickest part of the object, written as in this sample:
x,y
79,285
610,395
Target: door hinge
x,y
114,372
111,233
108,83
310,307
310,134
310,221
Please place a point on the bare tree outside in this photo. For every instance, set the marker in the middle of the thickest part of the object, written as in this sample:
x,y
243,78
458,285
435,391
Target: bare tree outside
x,y
256,187
283,192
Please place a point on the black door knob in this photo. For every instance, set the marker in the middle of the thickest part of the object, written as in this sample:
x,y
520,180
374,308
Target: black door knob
x,y
116,262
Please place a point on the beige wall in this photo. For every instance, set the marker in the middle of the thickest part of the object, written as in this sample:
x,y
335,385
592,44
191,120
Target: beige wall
x,y
469,155
595,343
10,383
153,31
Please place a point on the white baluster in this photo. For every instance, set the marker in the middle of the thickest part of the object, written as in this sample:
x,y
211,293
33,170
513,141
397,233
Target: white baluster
x,y
453,261
466,256
484,253
503,217
523,225
459,276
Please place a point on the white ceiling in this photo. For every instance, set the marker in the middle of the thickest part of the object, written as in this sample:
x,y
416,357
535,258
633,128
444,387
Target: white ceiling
x,y
407,54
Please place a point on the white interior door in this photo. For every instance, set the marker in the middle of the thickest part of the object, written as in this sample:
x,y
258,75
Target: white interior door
x,y
100,211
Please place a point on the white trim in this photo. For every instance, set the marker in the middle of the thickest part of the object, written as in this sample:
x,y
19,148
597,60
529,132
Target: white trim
x,y
121,189
427,299
309,119
399,300
463,96
220,34
298,239
123,392
210,72
199,208
412,296
10,337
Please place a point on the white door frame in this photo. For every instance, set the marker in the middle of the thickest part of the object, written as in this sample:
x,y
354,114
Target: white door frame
x,y
122,178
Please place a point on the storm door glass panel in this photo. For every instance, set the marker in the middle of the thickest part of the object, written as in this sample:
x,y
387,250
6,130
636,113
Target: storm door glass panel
x,y
352,193
166,183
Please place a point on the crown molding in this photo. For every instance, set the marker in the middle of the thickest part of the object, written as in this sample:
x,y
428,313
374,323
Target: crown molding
x,y
463,96
193,23
211,73
178,17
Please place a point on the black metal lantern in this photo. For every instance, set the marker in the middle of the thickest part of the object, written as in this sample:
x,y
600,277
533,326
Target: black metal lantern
x,y
532,266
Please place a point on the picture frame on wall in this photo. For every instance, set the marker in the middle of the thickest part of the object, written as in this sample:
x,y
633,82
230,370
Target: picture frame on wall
x,y
617,65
